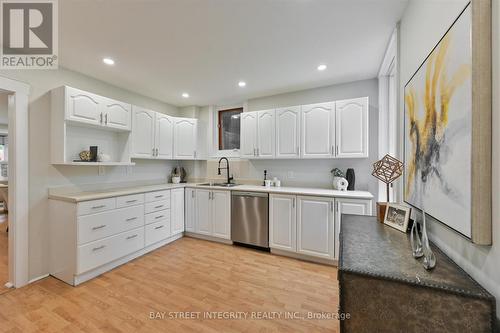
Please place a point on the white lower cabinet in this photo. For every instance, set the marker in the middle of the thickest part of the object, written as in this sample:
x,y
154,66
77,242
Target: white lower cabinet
x,y
315,234
190,209
91,237
309,225
348,206
208,212
157,231
283,222
203,221
177,211
221,214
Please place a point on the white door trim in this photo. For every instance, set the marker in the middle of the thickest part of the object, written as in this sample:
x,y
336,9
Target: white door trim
x,y
18,180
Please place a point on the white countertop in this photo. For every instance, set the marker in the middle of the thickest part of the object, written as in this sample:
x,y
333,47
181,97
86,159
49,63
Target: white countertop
x,y
102,194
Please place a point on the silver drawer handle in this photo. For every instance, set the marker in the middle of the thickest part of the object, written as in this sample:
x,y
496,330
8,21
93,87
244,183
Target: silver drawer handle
x,y
131,237
159,206
159,196
99,227
99,248
130,201
159,227
97,207
131,219
159,217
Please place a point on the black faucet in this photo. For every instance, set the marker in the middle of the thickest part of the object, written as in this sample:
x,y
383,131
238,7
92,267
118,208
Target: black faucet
x,y
227,169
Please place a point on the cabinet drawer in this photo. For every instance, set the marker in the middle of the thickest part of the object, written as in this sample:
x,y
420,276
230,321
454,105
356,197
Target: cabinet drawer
x,y
96,206
97,226
151,207
129,200
158,216
103,251
157,232
157,196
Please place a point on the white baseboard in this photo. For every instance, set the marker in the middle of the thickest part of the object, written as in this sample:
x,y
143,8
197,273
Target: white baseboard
x,y
208,238
38,278
305,257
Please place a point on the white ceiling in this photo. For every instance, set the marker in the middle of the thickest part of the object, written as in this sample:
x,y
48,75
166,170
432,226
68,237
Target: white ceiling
x,y
204,47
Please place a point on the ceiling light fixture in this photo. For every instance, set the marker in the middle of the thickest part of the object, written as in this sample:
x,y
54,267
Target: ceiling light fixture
x,y
185,95
108,61
321,67
242,84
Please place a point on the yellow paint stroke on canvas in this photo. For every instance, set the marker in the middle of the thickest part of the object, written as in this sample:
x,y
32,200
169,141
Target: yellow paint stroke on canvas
x,y
424,134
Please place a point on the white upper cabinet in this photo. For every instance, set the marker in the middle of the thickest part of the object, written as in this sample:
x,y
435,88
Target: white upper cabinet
x,y
248,134
91,109
265,134
318,130
177,210
143,133
288,132
282,222
351,128
164,136
117,114
83,107
185,138
315,227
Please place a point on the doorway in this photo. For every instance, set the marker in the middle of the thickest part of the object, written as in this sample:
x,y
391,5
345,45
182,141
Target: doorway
x,y
4,192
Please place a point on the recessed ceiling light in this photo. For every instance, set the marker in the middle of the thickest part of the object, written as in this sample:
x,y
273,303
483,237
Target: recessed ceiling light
x,y
108,61
185,95
242,83
321,67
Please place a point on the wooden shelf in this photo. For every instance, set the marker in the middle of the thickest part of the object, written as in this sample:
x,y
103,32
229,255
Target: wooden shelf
x,y
97,163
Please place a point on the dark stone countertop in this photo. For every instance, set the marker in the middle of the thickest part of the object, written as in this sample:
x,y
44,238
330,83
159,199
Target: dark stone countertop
x,y
370,248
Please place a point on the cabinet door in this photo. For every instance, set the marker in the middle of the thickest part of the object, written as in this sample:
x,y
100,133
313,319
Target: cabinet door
x,y
348,206
317,130
184,138
143,132
248,135
164,136
117,114
221,214
315,234
282,222
266,134
190,204
287,132
203,223
177,210
351,128
84,107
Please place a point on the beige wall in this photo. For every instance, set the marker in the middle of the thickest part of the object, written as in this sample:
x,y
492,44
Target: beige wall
x,y
422,26
43,175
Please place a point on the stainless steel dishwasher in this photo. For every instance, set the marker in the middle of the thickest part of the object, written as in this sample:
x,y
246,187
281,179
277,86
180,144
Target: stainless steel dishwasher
x,y
250,218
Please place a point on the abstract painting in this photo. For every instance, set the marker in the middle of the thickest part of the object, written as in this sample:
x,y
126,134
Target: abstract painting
x,y
438,131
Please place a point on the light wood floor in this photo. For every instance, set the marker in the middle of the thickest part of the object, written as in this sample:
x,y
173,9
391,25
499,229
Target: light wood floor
x,y
4,254
187,275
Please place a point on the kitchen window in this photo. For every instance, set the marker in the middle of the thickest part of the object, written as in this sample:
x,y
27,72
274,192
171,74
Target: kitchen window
x,y
228,125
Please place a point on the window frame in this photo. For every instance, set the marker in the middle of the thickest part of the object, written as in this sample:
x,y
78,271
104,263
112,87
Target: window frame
x,y
219,128
214,119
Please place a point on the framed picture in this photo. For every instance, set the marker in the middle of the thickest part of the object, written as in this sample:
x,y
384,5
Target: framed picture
x,y
447,128
397,216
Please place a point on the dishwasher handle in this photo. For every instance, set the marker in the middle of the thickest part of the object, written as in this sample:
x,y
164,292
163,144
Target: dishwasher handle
x,y
249,194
